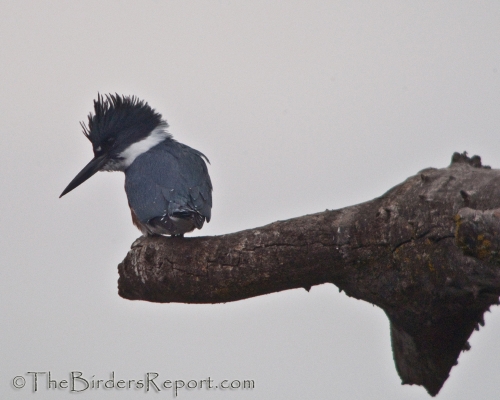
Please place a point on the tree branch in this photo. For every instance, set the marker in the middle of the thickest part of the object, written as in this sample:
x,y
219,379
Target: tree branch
x,y
426,252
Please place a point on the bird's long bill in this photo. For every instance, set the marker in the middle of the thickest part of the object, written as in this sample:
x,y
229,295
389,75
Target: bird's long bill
x,y
90,169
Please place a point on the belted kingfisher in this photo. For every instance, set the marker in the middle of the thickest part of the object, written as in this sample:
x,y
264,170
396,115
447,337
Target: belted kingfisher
x,y
167,183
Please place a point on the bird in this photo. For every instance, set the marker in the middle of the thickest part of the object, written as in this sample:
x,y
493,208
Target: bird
x,y
167,183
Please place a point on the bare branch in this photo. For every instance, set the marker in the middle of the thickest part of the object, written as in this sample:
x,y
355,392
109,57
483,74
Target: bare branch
x,y
426,252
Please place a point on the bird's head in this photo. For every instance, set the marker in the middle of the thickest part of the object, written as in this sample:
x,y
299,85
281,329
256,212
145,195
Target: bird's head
x,y
121,129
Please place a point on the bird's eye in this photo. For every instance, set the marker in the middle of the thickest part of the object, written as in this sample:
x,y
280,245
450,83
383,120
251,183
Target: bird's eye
x,y
98,149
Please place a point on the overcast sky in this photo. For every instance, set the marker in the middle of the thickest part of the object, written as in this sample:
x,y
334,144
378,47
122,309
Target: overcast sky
x,y
300,106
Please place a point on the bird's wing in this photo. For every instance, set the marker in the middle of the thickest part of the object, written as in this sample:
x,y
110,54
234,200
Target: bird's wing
x,y
171,179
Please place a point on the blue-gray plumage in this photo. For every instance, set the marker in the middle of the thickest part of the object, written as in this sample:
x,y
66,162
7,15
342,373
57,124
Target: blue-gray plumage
x,y
167,183
168,200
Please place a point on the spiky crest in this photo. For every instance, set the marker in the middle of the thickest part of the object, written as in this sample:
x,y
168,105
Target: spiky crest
x,y
114,113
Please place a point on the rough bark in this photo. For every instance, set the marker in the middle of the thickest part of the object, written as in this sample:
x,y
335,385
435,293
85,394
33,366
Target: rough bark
x,y
426,252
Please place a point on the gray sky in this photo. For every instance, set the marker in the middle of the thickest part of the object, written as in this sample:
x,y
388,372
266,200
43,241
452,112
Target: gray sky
x,y
300,106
